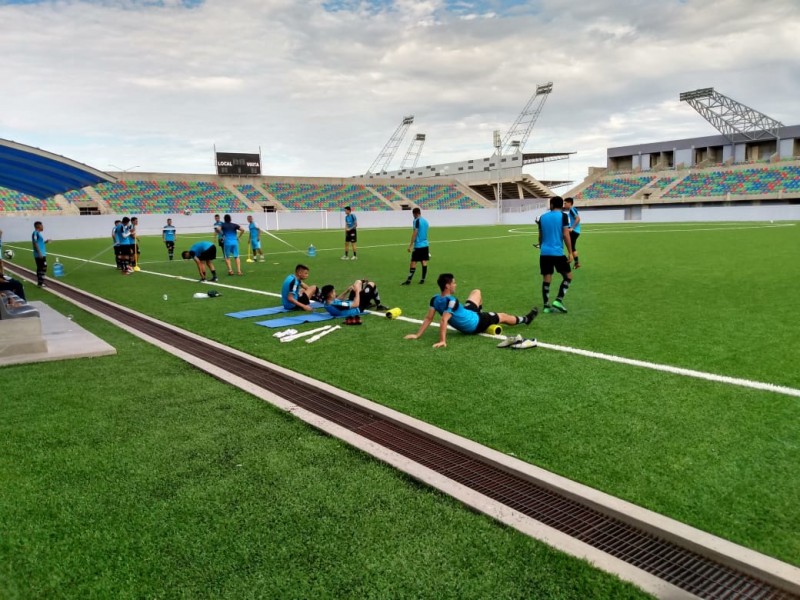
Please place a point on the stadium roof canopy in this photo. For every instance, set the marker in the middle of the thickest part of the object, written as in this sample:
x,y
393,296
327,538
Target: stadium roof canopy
x,y
41,174
530,158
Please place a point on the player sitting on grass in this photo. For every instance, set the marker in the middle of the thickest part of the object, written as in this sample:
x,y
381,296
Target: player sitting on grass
x,y
295,294
358,296
466,318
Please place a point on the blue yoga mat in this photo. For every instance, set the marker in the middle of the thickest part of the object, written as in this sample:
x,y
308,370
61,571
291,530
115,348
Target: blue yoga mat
x,y
299,319
262,312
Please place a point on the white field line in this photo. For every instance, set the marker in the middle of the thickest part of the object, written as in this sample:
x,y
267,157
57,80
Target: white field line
x,y
644,229
747,383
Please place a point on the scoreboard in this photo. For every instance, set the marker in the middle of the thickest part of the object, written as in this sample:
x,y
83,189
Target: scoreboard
x,y
235,163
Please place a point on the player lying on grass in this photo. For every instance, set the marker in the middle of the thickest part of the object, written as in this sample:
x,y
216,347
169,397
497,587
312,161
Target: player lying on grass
x,y
354,300
467,318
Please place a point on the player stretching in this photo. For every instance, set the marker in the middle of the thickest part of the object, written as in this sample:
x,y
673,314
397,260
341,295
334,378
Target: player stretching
x,y
466,318
553,234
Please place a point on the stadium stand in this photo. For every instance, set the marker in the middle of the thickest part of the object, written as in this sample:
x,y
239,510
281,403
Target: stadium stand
x,y
754,181
170,196
78,195
16,202
622,187
437,196
326,196
250,192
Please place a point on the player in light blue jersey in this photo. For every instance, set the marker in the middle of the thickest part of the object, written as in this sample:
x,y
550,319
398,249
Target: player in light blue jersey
x,y
255,239
574,228
467,318
295,294
418,246
169,235
553,235
353,301
231,232
39,252
350,232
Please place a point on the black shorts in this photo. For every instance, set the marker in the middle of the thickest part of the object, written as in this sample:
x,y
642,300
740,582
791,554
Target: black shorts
x,y
126,250
548,264
209,254
303,299
351,236
221,243
574,237
421,254
170,246
484,318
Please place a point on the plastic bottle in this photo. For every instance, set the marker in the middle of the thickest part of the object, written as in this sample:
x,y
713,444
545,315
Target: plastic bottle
x,y
58,268
312,251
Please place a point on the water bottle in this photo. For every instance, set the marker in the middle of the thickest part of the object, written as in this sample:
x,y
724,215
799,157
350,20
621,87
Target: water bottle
x,y
312,251
58,269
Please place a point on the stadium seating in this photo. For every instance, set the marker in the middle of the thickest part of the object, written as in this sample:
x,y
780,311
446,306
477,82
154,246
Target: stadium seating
x,y
11,201
327,196
622,187
251,193
437,196
148,197
756,181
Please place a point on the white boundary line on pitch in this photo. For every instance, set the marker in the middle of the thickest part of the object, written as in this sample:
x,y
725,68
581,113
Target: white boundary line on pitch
x,y
641,229
747,383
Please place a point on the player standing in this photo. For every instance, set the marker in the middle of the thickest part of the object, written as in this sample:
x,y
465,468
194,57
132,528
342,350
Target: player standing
x,y
553,234
418,246
169,234
574,228
350,232
255,238
39,252
231,232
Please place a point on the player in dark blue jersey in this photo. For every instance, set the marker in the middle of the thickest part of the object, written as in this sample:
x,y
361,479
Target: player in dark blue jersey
x,y
295,293
467,318
553,236
169,235
418,246
203,254
231,232
350,232
574,228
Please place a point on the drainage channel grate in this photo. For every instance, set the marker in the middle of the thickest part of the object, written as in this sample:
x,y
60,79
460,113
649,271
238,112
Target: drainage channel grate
x,y
666,560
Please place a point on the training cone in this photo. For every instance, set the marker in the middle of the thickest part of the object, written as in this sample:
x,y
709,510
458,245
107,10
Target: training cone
x,y
136,268
393,313
494,330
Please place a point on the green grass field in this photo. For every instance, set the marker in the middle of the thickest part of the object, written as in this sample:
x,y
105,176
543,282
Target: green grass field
x,y
114,439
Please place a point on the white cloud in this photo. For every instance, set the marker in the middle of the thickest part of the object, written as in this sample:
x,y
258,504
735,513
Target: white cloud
x,y
320,91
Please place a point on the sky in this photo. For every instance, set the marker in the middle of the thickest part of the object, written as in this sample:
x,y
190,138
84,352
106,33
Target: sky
x,y
319,86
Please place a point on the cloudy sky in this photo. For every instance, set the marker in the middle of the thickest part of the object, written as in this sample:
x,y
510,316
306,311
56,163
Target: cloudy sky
x,y
320,85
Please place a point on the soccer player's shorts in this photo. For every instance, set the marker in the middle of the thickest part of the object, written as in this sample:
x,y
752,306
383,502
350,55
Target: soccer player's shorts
x,y
231,250
548,264
303,299
255,245
170,246
116,249
126,250
209,254
484,318
221,243
574,237
420,254
351,236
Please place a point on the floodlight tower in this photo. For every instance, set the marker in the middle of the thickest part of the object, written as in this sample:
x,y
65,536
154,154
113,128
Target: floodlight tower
x,y
413,152
386,155
521,129
730,117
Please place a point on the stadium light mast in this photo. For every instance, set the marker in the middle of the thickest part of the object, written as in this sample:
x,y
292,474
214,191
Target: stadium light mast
x,y
385,156
414,151
498,144
730,117
522,127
